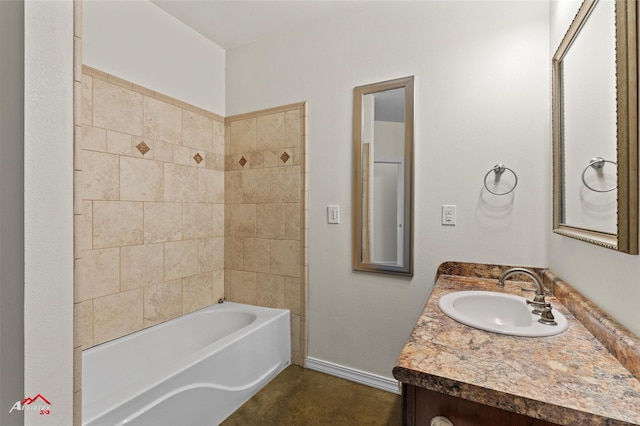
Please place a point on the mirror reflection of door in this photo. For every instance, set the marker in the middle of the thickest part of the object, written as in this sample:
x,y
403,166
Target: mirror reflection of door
x,y
388,207
383,131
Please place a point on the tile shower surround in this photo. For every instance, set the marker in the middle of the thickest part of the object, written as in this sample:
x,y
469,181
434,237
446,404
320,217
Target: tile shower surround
x,y
162,229
264,214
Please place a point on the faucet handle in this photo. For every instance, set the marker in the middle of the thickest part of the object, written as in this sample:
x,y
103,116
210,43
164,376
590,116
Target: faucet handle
x,y
539,305
546,317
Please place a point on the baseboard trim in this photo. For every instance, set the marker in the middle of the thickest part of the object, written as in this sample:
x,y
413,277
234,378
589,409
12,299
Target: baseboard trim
x,y
353,375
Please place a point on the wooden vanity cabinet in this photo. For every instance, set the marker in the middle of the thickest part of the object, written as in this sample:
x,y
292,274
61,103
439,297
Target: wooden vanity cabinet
x,y
420,405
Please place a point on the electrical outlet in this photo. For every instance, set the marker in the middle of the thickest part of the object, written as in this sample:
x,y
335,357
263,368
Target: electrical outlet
x,y
449,215
333,214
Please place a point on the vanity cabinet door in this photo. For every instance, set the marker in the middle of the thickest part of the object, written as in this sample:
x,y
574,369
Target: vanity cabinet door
x,y
420,405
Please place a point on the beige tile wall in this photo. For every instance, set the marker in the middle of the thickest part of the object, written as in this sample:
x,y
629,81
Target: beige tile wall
x,y
150,204
159,220
150,223
265,211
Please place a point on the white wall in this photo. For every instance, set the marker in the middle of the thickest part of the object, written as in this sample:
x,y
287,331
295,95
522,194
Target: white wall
x,y
11,210
607,277
482,97
48,209
142,43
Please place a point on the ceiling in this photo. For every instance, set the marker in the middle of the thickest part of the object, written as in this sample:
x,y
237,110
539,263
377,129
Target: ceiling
x,y
233,23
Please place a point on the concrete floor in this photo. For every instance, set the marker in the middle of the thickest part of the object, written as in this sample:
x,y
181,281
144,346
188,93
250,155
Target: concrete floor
x,y
302,397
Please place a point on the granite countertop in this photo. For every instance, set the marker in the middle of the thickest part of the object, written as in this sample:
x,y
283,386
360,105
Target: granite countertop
x,y
570,378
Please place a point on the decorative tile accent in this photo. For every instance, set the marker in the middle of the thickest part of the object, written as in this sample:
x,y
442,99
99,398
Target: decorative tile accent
x,y
143,148
242,161
197,158
285,157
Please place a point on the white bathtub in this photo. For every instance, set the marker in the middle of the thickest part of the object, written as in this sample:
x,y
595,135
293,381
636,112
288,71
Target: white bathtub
x,y
193,370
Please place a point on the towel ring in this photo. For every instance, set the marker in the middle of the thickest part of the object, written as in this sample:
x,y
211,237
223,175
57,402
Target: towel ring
x,y
597,163
499,169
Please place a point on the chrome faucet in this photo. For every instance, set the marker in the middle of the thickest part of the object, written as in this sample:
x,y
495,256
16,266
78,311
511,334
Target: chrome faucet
x,y
540,306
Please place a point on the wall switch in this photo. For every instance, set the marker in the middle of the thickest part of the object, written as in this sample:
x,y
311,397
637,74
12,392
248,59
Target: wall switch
x,y
448,215
333,214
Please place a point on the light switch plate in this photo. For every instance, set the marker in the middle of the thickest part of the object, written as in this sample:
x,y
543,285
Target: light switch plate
x,y
333,214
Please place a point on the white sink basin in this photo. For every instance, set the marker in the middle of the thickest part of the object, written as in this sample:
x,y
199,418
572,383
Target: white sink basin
x,y
499,312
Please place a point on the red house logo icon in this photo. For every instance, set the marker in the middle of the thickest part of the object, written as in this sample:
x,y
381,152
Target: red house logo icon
x,y
38,403
29,401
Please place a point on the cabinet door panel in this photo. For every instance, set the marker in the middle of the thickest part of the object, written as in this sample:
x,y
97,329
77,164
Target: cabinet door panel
x,y
421,405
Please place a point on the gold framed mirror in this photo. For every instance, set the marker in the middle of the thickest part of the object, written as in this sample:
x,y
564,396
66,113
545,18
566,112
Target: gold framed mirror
x,y
595,127
383,177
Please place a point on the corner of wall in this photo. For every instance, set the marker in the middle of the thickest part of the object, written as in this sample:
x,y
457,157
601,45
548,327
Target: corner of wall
x,y
48,189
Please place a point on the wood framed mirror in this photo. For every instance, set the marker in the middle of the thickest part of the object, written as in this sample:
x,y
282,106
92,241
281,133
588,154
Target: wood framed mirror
x,y
595,127
383,177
